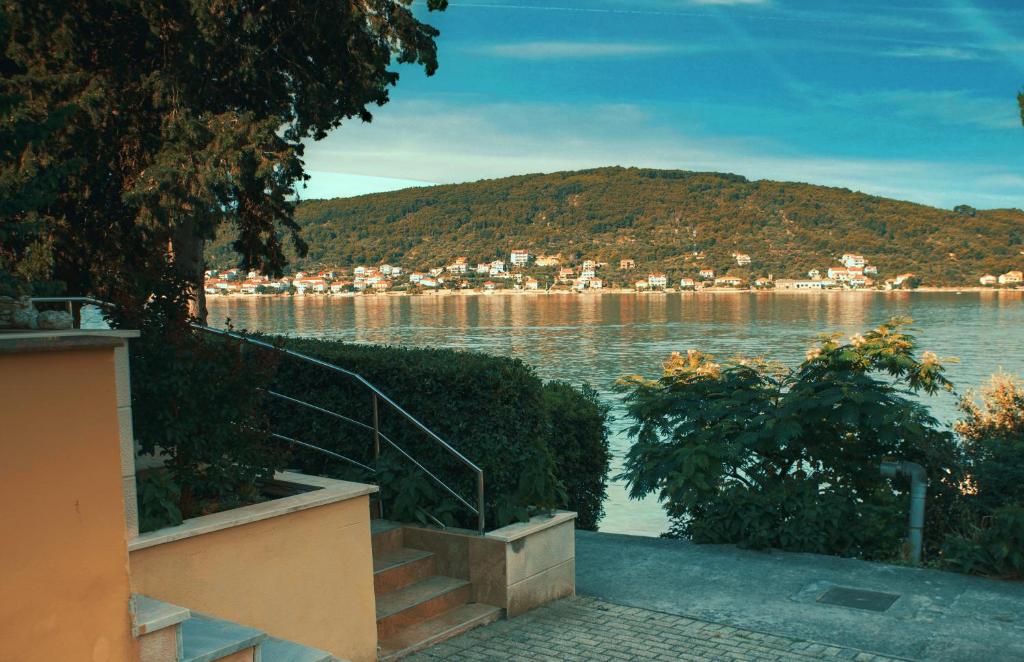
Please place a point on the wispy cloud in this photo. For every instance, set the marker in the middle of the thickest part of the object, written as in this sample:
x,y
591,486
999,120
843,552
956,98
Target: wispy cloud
x,y
730,2
934,53
470,142
562,50
948,107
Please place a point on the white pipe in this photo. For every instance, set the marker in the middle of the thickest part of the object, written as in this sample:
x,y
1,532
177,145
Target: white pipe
x,y
918,489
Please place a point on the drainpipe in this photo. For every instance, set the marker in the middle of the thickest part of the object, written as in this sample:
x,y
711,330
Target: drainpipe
x,y
918,487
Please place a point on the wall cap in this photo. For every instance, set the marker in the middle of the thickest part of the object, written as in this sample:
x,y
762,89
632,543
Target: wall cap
x,y
325,491
15,342
536,524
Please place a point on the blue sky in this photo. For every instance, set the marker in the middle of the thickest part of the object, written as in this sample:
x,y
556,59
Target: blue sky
x,y
910,99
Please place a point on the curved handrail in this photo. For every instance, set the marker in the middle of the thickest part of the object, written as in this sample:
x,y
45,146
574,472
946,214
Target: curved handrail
x,y
378,394
354,375
309,405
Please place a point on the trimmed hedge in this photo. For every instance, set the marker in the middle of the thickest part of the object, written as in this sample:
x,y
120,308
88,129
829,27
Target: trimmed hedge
x,y
540,446
579,440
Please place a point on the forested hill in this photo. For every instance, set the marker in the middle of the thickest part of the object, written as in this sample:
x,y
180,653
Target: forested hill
x,y
663,219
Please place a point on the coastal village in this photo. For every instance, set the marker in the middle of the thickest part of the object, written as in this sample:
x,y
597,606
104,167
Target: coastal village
x,y
525,272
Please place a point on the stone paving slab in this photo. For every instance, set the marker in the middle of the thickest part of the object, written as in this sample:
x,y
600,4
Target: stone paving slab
x,y
939,616
592,630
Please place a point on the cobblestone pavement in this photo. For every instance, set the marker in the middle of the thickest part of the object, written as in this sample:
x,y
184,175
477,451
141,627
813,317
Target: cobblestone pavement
x,y
590,630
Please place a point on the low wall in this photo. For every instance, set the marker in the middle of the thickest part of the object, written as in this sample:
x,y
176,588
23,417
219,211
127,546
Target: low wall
x,y
298,567
517,567
64,582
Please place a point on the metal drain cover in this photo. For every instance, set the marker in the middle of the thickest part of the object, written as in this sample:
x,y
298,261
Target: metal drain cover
x,y
858,598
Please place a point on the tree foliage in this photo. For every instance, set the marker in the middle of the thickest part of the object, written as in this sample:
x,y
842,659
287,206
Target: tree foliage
x,y
751,452
195,404
672,221
136,125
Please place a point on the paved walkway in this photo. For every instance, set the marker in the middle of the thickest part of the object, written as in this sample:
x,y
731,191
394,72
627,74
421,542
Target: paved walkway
x,y
586,629
665,600
940,616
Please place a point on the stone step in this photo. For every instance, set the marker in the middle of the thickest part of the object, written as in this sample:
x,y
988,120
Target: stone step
x,y
400,568
418,602
385,536
279,650
156,624
435,630
206,639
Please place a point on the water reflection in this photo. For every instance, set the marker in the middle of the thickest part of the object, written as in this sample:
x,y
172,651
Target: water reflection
x,y
596,339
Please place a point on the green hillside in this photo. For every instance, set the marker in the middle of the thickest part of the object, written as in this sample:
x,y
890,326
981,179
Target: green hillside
x,y
663,219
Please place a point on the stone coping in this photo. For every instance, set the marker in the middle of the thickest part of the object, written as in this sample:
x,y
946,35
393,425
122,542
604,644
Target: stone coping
x,y
150,615
325,491
15,342
537,523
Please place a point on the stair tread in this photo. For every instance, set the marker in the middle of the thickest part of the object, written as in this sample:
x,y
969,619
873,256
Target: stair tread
x,y
205,639
151,615
280,650
399,557
382,526
436,629
398,601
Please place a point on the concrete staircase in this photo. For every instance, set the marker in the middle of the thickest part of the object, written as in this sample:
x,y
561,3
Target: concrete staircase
x,y
169,633
416,607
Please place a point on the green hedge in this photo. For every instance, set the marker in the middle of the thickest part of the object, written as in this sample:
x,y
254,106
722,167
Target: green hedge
x,y
540,446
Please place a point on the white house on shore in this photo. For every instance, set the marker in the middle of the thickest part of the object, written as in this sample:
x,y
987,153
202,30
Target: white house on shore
x,y
519,258
657,280
795,284
988,279
852,260
687,283
1011,278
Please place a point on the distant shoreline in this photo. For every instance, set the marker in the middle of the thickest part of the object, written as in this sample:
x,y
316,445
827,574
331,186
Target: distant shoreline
x,y
586,293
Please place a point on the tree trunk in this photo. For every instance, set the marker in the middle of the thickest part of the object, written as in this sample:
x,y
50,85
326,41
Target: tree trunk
x,y
187,254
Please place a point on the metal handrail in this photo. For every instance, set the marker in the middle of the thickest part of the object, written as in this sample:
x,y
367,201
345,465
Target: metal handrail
x,y
320,449
378,395
377,431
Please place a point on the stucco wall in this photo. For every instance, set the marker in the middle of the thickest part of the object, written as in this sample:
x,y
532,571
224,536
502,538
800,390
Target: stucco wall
x,y
64,581
306,576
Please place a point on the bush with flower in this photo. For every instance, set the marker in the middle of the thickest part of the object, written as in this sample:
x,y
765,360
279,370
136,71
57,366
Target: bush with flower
x,y
991,539
751,452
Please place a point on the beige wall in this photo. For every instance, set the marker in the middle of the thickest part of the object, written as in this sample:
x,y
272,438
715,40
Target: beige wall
x,y
517,567
64,588
306,576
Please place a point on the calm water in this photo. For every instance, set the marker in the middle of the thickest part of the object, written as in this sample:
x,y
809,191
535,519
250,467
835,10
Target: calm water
x,y
599,338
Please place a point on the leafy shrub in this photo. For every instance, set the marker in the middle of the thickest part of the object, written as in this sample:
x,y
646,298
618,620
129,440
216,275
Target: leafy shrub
x,y
194,399
158,500
494,410
992,539
996,547
750,452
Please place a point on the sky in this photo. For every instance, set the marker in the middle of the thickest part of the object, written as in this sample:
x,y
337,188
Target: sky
x,y
909,99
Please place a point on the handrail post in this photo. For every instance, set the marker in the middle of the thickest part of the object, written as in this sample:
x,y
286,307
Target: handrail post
x,y
480,500
376,430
